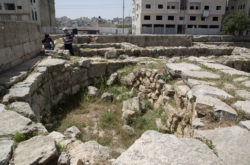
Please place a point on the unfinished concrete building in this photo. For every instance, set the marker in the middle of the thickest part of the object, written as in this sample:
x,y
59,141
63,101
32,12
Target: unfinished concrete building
x,y
39,11
202,17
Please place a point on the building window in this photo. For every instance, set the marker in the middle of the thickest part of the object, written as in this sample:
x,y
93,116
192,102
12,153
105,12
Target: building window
x,y
170,26
30,1
160,6
35,16
146,17
0,6
9,6
203,26
244,6
240,6
226,8
214,27
215,18
158,17
168,7
191,7
197,8
181,18
191,26
173,7
206,7
232,7
148,6
170,18
192,18
19,7
32,15
203,19
218,7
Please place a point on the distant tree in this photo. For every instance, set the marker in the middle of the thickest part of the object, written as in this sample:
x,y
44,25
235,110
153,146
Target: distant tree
x,y
125,26
235,22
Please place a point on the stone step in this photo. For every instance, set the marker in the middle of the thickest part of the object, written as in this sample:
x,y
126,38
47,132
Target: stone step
x,y
19,73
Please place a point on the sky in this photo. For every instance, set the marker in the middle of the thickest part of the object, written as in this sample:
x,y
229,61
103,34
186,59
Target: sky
x,y
107,9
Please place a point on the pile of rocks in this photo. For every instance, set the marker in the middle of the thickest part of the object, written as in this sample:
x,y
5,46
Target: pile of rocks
x,y
147,81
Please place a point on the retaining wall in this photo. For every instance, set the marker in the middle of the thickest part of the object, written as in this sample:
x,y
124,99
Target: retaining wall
x,y
19,41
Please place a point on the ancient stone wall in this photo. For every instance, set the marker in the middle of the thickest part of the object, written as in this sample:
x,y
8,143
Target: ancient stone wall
x,y
54,79
19,41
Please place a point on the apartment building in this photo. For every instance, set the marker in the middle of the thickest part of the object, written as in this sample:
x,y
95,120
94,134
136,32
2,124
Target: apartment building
x,y
236,5
40,11
201,17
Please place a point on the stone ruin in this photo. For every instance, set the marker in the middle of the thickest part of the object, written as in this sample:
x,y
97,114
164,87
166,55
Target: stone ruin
x,y
196,64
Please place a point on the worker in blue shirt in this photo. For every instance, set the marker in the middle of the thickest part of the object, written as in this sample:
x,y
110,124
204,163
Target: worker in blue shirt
x,y
68,39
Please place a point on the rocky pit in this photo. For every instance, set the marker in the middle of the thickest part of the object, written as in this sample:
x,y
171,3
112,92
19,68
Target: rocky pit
x,y
119,103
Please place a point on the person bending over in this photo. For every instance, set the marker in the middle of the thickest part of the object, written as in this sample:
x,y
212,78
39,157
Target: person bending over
x,y
46,42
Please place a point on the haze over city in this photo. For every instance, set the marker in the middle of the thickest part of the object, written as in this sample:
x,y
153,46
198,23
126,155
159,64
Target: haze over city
x,y
107,9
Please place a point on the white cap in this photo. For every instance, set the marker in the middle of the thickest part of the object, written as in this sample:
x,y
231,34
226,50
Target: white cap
x,y
65,28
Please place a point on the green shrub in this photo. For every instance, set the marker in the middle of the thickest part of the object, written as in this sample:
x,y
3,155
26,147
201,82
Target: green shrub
x,y
60,148
19,137
107,119
165,77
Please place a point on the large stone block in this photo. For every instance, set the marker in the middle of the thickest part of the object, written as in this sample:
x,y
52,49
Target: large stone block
x,y
27,48
156,148
113,66
6,55
97,69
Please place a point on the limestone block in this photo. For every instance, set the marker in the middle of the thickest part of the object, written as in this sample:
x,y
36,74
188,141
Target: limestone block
x,y
129,130
192,82
11,122
110,54
33,46
84,62
185,75
64,159
53,65
27,48
97,69
6,56
235,72
108,97
18,51
93,91
112,79
5,151
243,93
73,132
200,38
57,136
37,150
176,69
207,104
232,143
113,66
197,123
154,142
2,108
200,90
243,106
23,109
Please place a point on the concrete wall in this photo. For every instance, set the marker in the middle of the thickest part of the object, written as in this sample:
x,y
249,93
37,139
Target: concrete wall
x,y
19,41
46,13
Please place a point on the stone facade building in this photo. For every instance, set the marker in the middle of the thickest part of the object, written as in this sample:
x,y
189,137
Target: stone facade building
x,y
40,11
178,16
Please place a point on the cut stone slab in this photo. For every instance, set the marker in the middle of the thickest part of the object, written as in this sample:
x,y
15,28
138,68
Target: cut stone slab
x,y
217,66
235,72
206,104
73,132
232,143
243,93
156,148
23,109
245,124
5,151
193,82
246,83
243,106
37,150
185,75
175,69
53,65
240,79
133,104
11,122
197,123
2,108
200,90
84,62
19,73
91,151
64,159
93,91
113,77
57,136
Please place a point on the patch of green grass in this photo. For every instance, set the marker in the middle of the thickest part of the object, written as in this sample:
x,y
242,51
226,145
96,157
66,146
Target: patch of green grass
x,y
19,137
148,104
107,120
210,145
61,148
104,141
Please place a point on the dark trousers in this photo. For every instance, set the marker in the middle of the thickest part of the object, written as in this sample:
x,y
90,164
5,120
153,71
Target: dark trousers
x,y
70,48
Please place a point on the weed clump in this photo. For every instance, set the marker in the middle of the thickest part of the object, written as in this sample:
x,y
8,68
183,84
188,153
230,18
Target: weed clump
x,y
19,137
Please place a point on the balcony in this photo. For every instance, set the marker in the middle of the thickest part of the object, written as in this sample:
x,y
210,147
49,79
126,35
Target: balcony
x,y
194,11
173,11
